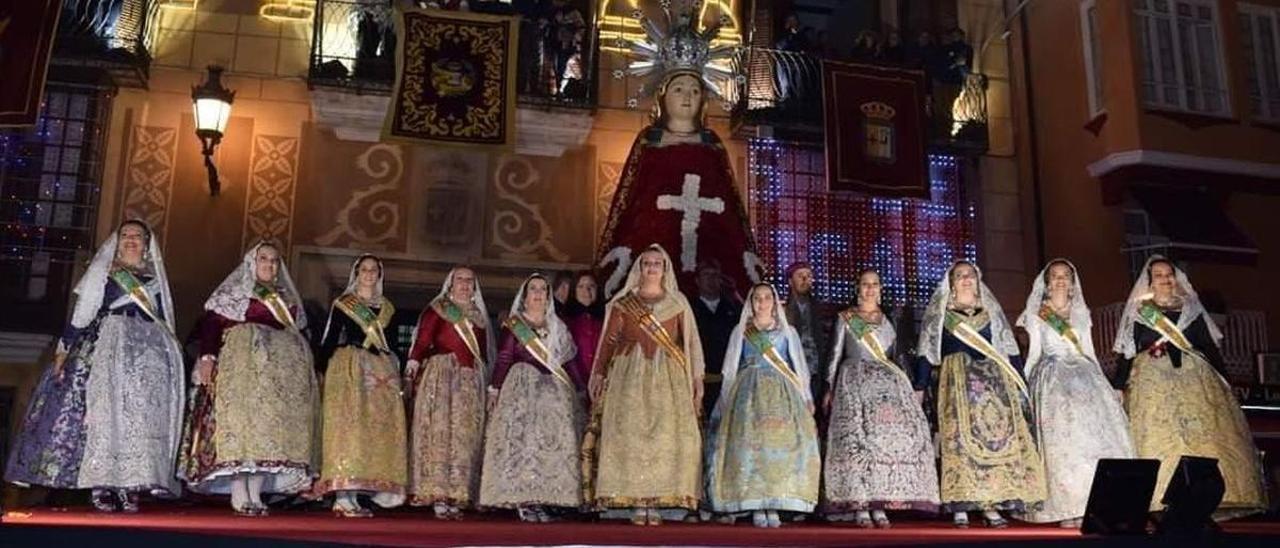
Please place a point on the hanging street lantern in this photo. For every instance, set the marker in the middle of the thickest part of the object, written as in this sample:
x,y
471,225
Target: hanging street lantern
x,y
212,104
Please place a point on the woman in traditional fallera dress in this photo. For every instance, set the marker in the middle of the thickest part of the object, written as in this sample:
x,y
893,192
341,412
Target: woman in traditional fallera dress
x,y
988,445
762,446
363,441
448,370
535,427
643,452
880,453
1078,418
107,415
1177,398
253,424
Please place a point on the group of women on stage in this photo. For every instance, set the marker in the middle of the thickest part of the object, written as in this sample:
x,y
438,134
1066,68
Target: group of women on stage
x,y
596,408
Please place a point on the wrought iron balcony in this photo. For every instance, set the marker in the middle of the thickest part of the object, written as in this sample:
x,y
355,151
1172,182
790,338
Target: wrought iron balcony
x,y
105,42
783,91
354,42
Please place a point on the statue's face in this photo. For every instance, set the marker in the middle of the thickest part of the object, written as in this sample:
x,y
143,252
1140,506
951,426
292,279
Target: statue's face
x,y
683,99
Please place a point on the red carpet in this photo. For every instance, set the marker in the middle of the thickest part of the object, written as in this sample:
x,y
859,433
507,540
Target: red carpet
x,y
414,528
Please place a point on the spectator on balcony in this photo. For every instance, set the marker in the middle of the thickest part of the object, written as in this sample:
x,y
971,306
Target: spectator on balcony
x,y
375,40
564,41
453,5
959,56
927,54
500,7
947,70
534,25
792,37
822,46
791,45
892,50
95,16
866,47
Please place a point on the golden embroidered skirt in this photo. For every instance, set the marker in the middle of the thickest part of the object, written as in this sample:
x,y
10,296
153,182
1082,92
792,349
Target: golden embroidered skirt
x,y
261,414
989,455
1190,410
364,427
448,433
644,446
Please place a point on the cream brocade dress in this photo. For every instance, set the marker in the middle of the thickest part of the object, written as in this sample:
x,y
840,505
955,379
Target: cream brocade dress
x,y
643,447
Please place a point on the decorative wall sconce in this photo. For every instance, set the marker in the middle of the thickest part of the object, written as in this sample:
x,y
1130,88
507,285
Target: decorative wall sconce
x,y
212,104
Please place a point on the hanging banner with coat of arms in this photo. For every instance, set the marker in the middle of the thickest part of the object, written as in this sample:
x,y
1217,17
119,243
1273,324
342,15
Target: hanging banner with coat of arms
x,y
26,38
455,79
875,130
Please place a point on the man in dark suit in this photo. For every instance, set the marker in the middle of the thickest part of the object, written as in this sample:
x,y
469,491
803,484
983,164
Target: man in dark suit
x,y
716,312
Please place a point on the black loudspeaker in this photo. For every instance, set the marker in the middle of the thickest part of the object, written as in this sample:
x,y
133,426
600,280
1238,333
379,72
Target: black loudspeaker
x,y
1194,492
1120,497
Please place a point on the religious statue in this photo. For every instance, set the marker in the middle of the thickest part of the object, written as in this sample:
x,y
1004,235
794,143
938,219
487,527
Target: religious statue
x,y
677,187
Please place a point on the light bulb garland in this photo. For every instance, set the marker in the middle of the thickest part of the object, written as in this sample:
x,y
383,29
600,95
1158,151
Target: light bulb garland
x,y
910,242
44,181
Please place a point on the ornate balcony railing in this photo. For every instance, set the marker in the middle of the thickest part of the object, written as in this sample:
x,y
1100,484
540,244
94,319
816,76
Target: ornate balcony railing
x,y
354,42
783,89
105,41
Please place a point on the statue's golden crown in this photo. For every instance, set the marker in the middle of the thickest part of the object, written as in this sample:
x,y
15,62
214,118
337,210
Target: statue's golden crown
x,y
678,47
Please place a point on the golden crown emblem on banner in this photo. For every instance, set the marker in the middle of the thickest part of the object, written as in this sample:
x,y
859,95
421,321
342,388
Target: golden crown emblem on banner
x,y
877,110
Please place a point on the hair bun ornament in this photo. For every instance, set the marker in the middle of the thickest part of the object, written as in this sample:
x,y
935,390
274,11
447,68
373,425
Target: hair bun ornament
x,y
678,47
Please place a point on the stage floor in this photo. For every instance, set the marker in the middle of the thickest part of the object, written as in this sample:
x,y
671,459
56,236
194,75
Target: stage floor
x,y
208,526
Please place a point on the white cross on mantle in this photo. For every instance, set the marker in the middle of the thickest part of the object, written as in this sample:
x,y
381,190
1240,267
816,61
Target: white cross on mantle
x,y
692,206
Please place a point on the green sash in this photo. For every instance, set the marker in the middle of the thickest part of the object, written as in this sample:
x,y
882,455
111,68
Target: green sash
x,y
764,346
533,343
137,292
1062,327
956,325
372,324
864,333
275,303
1153,317
461,325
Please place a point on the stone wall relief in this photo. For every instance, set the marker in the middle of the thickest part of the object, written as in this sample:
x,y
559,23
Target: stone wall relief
x,y
371,219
